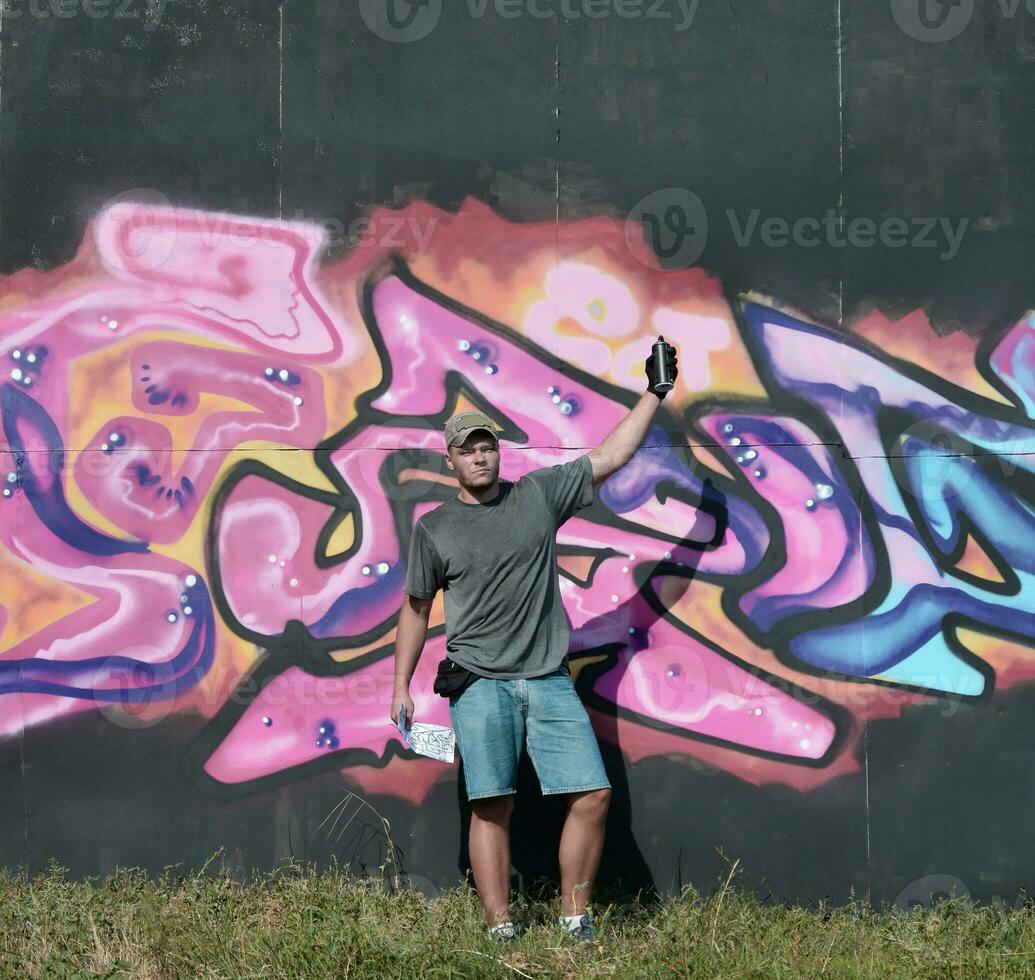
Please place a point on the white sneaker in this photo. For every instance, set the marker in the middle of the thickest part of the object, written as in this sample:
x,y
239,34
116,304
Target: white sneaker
x,y
579,928
506,932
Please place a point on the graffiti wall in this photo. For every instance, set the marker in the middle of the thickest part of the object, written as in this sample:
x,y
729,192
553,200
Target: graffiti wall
x,y
215,452
802,616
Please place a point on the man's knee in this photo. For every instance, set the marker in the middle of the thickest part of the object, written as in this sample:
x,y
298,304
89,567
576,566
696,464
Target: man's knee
x,y
592,803
494,809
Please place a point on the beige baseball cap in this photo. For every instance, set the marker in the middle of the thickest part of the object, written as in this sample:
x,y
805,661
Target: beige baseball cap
x,y
461,425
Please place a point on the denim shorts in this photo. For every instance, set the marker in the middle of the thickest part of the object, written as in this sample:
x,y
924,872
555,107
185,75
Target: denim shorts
x,y
493,718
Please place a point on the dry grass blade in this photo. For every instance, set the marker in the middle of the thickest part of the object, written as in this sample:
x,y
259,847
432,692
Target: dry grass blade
x,y
496,959
391,853
718,907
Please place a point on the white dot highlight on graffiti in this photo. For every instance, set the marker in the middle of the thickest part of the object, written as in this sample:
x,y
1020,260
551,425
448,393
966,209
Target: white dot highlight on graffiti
x,y
113,324
192,580
187,610
757,712
668,554
625,568
298,400
556,399
269,372
367,569
382,568
16,354
824,491
614,598
464,345
810,504
283,374
736,441
172,617
293,583
12,477
272,559
804,743
16,373
27,381
283,563
31,358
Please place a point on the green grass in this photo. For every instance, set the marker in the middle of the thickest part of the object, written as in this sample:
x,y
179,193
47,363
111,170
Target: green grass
x,y
303,924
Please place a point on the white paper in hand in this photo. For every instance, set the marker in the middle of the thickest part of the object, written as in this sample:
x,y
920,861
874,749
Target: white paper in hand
x,y
434,741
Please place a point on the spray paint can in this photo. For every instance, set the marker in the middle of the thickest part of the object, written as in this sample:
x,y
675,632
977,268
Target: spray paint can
x,y
661,364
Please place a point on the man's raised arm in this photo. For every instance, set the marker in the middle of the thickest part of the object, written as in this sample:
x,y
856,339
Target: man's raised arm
x,y
624,439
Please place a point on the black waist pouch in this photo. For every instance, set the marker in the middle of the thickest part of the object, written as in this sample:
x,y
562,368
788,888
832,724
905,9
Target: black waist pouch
x,y
452,679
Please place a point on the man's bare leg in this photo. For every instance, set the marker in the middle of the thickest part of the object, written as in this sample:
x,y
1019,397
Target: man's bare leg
x,y
489,847
582,842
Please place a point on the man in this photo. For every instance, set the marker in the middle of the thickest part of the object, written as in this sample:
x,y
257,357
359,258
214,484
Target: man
x,y
492,549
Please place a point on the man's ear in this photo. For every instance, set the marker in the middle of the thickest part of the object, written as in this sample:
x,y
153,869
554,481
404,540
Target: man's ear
x,y
449,462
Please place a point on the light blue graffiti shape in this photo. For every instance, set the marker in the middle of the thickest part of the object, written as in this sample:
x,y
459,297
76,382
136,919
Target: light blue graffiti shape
x,y
937,463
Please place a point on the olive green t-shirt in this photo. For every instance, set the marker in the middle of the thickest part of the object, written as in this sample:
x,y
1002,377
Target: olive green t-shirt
x,y
497,565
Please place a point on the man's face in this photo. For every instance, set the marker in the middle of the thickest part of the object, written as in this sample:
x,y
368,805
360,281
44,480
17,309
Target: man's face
x,y
476,461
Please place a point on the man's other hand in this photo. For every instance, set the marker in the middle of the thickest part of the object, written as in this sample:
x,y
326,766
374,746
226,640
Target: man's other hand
x,y
402,700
